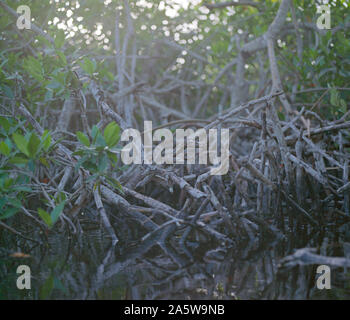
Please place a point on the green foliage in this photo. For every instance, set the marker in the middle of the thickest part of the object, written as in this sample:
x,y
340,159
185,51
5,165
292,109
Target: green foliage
x,y
4,148
337,102
46,288
111,134
83,139
88,66
24,153
46,217
33,146
12,193
100,155
44,73
34,67
59,39
56,212
21,143
50,219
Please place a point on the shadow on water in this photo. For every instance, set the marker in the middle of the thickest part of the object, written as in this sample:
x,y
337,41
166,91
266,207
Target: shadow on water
x,y
89,268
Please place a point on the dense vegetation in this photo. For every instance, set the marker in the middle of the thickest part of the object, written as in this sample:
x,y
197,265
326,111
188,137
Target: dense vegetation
x,y
88,69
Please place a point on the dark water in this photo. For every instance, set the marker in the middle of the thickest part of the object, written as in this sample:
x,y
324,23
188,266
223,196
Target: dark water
x,y
88,267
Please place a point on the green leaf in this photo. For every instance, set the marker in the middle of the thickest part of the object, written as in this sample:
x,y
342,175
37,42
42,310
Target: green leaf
x,y
334,97
8,213
18,160
59,285
46,217
97,136
56,212
83,139
5,124
15,203
7,91
281,116
92,178
342,105
100,141
103,163
44,161
44,41
62,57
59,39
81,161
73,80
111,134
61,197
3,201
47,287
34,67
48,95
54,85
94,132
53,146
21,143
115,183
4,148
113,157
33,145
79,153
88,66
21,188
46,140
8,183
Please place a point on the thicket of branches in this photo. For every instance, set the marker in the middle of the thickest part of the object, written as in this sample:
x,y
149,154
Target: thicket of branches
x,y
261,68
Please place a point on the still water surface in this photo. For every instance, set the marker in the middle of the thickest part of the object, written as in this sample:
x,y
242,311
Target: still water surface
x,y
89,268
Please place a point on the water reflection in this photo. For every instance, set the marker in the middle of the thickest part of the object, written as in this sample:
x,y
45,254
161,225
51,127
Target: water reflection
x,y
89,268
